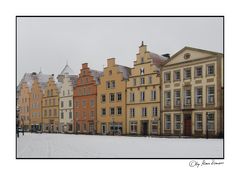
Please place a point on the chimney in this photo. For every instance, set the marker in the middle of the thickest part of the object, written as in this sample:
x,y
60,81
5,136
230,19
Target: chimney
x,y
110,62
142,48
85,65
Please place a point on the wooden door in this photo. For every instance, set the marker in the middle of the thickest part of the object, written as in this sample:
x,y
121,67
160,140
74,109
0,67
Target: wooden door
x,y
187,124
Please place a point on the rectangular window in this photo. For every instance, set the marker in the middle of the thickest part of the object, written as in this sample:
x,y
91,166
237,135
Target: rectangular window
x,y
187,97
187,73
210,95
70,103
112,84
144,112
142,96
133,127
112,97
103,111
132,97
177,76
210,70
134,82
168,98
50,112
45,102
112,111
54,102
177,119
153,95
119,110
198,121
119,96
84,103
50,102
108,85
61,104
142,80
103,98
92,115
70,115
198,71
210,121
167,121
167,76
84,115
62,115
154,111
92,103
149,80
132,112
177,98
55,112
45,112
198,95
154,127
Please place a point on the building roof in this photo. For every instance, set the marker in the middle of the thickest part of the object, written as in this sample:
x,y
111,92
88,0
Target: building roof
x,y
126,71
67,70
29,78
157,59
96,75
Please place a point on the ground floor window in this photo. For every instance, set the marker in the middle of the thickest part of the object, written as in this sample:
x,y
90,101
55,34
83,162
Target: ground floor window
x,y
116,128
198,121
77,127
91,127
69,127
167,121
210,121
133,127
154,127
84,127
177,119
104,128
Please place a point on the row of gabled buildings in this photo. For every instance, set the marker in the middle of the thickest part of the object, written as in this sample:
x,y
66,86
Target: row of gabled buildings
x,y
160,95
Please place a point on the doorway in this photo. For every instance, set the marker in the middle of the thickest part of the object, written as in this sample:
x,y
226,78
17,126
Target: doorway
x,y
104,131
187,124
144,127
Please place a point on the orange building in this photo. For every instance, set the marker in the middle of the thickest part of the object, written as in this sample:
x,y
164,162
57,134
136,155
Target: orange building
x,y
24,103
85,100
50,106
39,83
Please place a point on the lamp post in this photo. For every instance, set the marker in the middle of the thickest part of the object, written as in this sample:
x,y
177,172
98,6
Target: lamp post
x,y
206,125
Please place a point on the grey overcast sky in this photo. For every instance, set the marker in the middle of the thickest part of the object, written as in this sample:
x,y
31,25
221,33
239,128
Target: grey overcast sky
x,y
49,42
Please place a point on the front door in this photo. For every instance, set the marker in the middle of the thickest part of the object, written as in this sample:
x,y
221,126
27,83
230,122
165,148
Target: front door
x,y
144,127
187,124
103,128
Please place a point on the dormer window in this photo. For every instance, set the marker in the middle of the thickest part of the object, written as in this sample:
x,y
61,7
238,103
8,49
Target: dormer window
x,y
142,71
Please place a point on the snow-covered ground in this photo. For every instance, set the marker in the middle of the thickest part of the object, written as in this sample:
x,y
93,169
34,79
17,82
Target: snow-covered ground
x,y
90,146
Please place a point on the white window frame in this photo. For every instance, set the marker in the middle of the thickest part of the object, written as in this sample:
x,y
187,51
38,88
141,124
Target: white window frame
x,y
210,122
167,98
142,96
187,98
144,112
153,95
198,96
133,127
155,111
210,97
167,122
197,121
177,122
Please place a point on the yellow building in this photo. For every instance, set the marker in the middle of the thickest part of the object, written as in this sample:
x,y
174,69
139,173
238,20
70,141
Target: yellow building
x,y
111,97
192,93
143,94
50,106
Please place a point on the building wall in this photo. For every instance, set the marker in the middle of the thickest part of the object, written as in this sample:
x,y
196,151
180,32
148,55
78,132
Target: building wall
x,y
50,107
66,106
143,62
36,105
204,81
111,73
24,103
85,102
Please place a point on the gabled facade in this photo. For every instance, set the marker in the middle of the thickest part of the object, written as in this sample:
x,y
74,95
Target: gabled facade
x,y
111,99
24,105
192,94
85,100
66,105
143,94
50,106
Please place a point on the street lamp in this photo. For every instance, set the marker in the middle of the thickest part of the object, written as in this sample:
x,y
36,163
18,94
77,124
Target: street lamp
x,y
207,125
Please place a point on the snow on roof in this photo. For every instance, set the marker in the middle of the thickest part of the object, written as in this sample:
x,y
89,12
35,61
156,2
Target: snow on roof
x,y
96,75
157,59
126,71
